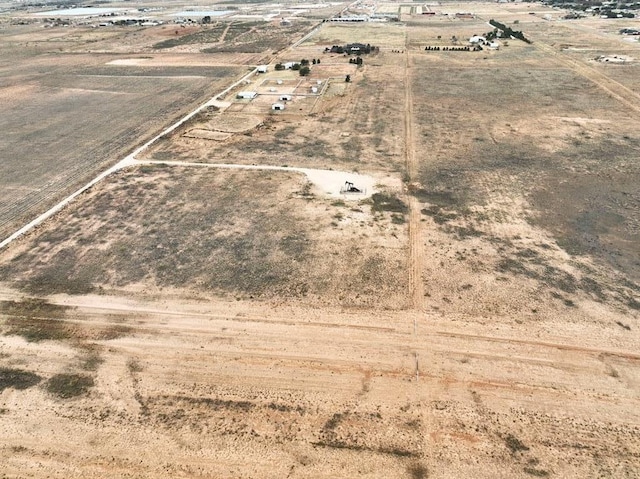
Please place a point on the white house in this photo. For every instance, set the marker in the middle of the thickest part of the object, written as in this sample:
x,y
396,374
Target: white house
x,y
263,68
286,97
277,106
246,95
314,89
477,39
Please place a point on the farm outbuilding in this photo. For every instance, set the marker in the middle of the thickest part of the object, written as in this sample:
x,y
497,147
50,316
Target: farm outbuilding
x,y
246,95
277,106
263,68
286,97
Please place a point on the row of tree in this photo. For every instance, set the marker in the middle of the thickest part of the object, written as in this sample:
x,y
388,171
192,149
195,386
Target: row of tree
x,y
508,32
454,49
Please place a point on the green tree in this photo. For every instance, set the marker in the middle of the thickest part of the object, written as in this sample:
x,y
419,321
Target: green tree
x,y
304,71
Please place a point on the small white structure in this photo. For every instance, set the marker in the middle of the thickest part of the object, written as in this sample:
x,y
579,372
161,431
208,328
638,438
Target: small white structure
x,y
494,46
319,82
477,39
277,106
263,68
286,97
288,65
279,82
246,95
314,89
272,89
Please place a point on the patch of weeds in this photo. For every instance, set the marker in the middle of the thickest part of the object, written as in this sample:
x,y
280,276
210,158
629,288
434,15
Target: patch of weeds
x,y
536,472
462,232
214,403
338,203
37,320
623,326
592,287
34,330
388,202
418,471
67,386
92,361
33,307
17,379
633,303
336,419
60,275
527,253
398,219
134,366
514,444
438,214
396,451
114,332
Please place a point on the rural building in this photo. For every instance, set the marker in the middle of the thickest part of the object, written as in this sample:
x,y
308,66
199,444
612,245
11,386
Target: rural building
x,y
246,95
263,68
277,106
355,48
288,65
477,39
314,89
286,97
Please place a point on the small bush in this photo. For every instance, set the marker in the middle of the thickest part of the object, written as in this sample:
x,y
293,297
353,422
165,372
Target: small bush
x,y
17,379
386,202
66,386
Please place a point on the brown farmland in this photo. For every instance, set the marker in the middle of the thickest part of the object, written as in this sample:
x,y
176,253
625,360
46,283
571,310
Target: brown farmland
x,y
476,317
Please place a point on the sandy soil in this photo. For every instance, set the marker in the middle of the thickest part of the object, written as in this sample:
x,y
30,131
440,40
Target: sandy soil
x,y
477,316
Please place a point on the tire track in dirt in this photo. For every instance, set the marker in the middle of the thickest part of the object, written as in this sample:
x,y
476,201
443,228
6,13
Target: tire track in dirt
x,y
421,348
416,289
617,90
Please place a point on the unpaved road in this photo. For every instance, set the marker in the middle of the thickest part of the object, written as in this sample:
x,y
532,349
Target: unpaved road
x,y
238,390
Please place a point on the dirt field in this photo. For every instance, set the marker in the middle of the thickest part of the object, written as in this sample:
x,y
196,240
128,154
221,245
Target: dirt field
x,y
66,117
476,317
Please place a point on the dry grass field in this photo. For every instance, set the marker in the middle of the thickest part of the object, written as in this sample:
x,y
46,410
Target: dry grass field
x,y
65,117
476,317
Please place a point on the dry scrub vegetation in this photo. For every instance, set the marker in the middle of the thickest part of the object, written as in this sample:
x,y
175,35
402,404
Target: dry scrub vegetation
x,y
192,321
209,231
